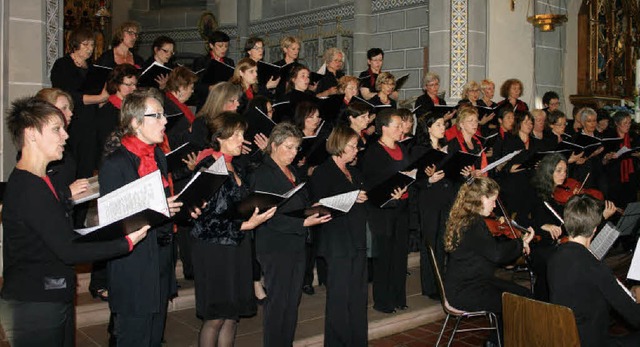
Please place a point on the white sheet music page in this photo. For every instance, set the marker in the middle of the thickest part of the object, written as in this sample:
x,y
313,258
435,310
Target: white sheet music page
x,y
341,202
634,268
601,244
143,193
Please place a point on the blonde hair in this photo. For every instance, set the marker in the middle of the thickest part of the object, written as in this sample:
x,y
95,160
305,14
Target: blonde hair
x,y
464,112
468,87
383,78
288,41
243,65
344,81
467,208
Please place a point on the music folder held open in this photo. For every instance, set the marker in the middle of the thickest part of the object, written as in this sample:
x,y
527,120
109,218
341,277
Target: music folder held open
x,y
128,208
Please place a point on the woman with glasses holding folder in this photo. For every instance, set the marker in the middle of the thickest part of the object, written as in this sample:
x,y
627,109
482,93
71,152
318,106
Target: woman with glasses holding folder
x,y
342,242
280,242
141,283
39,286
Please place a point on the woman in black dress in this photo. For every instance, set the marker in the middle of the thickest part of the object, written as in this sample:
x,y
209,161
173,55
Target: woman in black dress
x,y
296,92
280,242
39,285
431,96
385,85
162,52
141,283
69,74
224,293
622,172
475,255
290,46
511,90
124,40
389,225
342,242
246,76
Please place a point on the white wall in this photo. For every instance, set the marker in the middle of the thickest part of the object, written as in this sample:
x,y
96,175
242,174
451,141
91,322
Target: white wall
x,y
510,46
571,55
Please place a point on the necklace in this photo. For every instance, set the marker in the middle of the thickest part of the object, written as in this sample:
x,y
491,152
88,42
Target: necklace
x,y
78,62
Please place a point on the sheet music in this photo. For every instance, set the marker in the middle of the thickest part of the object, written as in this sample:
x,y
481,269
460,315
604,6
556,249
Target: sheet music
x,y
504,159
143,193
290,193
341,202
155,63
601,244
411,173
634,268
92,192
622,151
217,168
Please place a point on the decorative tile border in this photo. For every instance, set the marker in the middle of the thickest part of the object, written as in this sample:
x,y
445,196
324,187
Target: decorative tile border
x,y
459,47
53,38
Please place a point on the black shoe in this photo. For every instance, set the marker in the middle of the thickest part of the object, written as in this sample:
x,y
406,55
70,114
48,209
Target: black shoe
x,y
308,289
384,310
402,307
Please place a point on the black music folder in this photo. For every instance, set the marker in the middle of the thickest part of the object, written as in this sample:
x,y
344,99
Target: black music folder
x,y
217,71
201,188
314,77
267,71
122,227
611,144
400,82
336,205
259,123
628,223
428,158
96,78
576,148
263,201
443,109
380,195
313,148
149,75
175,157
454,163
532,161
485,111
625,152
490,140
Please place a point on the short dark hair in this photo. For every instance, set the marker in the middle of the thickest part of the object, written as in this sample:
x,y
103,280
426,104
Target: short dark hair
x,y
553,117
354,110
117,76
218,36
79,36
373,52
29,112
303,111
582,214
118,33
548,96
620,116
503,111
520,117
161,41
251,42
224,125
383,118
603,114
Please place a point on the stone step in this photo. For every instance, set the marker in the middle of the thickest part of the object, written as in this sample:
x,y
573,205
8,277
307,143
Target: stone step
x,y
90,311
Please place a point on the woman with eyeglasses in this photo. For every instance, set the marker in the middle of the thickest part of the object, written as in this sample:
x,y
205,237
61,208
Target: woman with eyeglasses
x,y
334,61
69,74
39,287
375,59
124,40
425,102
254,49
162,52
141,283
385,85
280,242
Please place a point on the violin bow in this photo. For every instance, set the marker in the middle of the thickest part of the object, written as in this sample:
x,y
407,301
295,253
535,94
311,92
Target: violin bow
x,y
583,183
504,213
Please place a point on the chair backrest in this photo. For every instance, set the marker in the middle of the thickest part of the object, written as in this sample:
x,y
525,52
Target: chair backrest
x,y
443,297
529,322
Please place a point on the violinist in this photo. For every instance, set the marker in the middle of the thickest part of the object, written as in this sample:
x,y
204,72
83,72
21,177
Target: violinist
x,y
435,195
621,172
475,255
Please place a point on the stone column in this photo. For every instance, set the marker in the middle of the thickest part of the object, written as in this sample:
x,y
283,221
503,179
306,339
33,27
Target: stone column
x,y
361,32
243,14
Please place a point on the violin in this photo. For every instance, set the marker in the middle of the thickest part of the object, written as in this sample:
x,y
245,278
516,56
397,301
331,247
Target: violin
x,y
503,226
571,187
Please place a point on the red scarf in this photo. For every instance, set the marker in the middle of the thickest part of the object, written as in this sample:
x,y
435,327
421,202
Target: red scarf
x,y
214,58
210,152
249,93
146,154
626,165
435,99
501,130
372,78
463,147
186,111
115,101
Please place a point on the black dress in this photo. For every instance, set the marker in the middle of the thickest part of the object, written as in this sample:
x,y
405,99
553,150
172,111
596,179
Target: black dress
x,y
107,120
223,291
426,104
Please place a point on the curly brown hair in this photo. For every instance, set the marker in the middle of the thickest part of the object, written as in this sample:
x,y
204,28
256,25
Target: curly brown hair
x,y
466,208
504,89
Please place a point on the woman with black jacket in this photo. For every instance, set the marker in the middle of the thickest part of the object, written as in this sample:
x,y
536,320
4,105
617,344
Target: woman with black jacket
x,y
280,242
39,286
390,225
342,242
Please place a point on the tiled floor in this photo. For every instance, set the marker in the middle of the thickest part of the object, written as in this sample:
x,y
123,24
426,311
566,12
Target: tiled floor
x,y
427,335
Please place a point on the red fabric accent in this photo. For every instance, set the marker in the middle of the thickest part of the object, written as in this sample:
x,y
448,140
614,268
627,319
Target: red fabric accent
x,y
463,147
394,153
372,79
501,130
626,165
47,180
249,93
210,152
435,100
129,242
214,58
451,133
115,101
146,153
186,111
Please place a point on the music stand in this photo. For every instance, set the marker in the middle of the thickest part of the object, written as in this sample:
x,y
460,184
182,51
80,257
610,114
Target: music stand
x,y
628,223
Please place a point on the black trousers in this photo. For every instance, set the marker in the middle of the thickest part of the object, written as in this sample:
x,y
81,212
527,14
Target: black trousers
x,y
183,245
137,331
390,264
283,276
313,260
345,321
37,324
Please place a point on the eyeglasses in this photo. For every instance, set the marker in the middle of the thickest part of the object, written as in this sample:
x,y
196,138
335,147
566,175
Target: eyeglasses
x,y
258,48
157,115
129,84
292,148
131,32
168,51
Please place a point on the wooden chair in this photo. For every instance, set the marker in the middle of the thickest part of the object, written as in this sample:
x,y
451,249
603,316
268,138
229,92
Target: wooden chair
x,y
458,314
529,322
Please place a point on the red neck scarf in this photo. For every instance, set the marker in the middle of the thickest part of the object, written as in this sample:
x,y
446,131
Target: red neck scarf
x,y
213,57
249,93
626,165
210,152
146,154
186,111
463,147
435,100
115,101
372,78
501,130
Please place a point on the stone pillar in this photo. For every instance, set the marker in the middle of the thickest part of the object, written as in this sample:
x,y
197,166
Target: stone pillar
x,y
361,32
243,14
